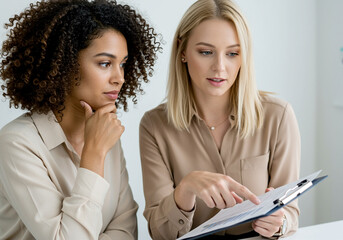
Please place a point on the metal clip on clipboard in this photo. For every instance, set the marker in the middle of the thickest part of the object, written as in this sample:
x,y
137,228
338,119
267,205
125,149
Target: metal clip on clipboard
x,y
296,191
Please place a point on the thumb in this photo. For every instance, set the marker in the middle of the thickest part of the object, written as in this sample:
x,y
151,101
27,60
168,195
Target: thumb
x,y
87,108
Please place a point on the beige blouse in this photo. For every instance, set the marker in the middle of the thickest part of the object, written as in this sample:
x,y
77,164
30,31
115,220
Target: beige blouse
x,y
45,195
270,158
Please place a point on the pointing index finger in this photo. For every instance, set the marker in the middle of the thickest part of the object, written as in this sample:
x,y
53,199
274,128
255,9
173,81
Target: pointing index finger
x,y
244,192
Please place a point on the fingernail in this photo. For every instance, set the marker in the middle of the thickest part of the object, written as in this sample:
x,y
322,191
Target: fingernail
x,y
82,103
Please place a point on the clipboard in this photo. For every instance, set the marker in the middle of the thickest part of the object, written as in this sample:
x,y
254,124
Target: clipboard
x,y
247,211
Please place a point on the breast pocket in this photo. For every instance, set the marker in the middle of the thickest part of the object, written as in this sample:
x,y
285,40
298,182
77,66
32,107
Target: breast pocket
x,y
254,172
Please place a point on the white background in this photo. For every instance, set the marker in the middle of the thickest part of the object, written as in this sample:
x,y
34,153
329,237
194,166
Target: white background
x,y
297,55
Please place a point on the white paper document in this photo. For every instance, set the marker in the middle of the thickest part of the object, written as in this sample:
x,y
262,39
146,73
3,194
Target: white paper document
x,y
246,210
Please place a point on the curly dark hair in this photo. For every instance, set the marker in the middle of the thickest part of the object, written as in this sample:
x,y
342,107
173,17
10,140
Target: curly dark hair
x,y
40,56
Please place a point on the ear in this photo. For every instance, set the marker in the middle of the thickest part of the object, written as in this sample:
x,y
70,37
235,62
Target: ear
x,y
183,57
178,42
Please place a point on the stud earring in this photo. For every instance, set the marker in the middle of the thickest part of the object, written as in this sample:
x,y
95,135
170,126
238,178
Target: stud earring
x,y
183,59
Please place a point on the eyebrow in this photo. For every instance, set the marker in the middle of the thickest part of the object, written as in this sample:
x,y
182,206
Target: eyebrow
x,y
210,45
109,55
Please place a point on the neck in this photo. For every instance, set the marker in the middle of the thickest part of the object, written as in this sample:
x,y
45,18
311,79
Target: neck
x,y
213,110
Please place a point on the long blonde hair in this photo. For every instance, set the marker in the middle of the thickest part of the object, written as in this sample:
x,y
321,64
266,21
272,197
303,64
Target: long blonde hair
x,y
244,96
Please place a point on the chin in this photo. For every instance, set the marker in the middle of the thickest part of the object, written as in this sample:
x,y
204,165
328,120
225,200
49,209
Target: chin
x,y
219,93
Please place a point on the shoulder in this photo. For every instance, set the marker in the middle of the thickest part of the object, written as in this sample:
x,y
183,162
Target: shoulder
x,y
274,106
155,122
276,109
157,114
19,137
18,129
21,134
269,101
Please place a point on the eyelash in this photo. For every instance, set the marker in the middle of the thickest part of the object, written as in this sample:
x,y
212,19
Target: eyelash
x,y
122,65
107,64
232,54
206,53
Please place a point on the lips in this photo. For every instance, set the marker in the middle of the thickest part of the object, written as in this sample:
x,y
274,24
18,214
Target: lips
x,y
216,82
216,79
113,95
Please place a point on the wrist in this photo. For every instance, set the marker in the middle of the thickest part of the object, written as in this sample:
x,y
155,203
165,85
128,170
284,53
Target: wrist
x,y
93,161
282,229
93,152
184,199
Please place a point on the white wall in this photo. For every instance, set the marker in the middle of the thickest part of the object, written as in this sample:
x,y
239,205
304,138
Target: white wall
x,y
330,108
291,47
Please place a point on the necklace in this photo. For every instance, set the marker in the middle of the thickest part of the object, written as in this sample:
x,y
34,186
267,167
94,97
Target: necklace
x,y
212,128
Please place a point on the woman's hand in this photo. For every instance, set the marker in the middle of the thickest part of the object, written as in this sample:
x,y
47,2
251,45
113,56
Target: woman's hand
x,y
216,190
102,131
268,226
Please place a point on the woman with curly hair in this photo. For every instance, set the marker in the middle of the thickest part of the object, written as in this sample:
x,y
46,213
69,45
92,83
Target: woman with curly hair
x,y
70,63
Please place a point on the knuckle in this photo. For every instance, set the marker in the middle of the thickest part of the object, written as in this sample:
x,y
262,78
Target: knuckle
x,y
212,188
279,222
228,178
203,193
242,189
221,183
218,185
100,111
274,230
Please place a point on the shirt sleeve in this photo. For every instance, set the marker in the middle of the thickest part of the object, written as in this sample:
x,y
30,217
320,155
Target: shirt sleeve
x,y
165,219
124,222
45,212
286,162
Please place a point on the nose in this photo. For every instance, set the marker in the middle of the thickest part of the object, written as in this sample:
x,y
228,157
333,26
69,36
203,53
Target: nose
x,y
117,75
219,63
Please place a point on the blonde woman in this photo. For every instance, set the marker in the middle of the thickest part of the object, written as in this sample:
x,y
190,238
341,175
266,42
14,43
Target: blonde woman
x,y
217,137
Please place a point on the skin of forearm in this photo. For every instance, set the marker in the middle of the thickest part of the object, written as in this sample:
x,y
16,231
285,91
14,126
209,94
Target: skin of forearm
x,y
93,161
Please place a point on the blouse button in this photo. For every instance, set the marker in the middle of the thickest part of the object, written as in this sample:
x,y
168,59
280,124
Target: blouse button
x,y
181,221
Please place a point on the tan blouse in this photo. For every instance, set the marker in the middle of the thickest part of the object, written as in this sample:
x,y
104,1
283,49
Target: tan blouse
x,y
45,195
270,158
